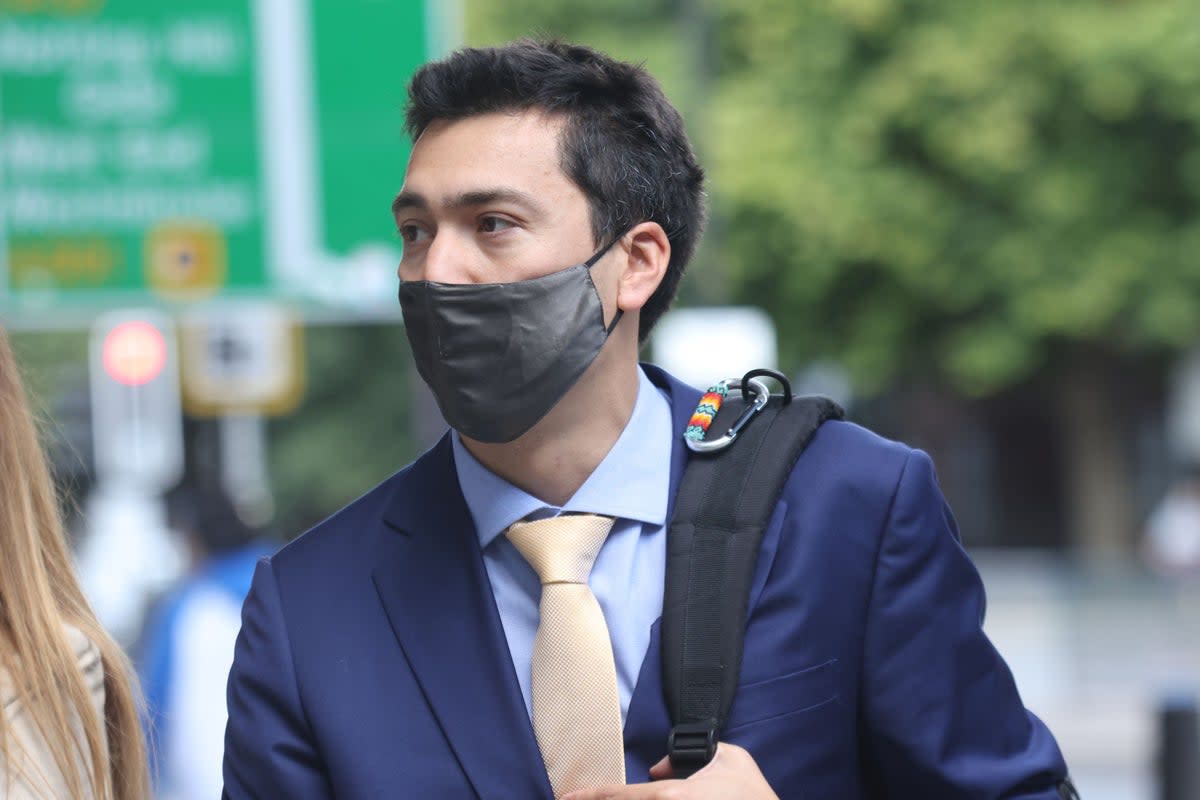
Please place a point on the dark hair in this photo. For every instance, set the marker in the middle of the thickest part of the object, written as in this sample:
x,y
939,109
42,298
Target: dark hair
x,y
207,515
624,144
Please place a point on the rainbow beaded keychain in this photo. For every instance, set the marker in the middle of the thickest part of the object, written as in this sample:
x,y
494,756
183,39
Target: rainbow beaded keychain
x,y
706,412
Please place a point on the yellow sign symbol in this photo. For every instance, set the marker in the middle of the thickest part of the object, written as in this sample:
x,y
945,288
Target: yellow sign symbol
x,y
185,260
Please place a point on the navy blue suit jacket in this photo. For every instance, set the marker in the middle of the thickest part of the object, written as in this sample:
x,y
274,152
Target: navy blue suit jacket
x,y
372,663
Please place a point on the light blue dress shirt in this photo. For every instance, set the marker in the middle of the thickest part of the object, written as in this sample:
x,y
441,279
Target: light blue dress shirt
x,y
632,484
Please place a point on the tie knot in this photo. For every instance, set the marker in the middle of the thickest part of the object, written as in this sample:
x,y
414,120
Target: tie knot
x,y
561,549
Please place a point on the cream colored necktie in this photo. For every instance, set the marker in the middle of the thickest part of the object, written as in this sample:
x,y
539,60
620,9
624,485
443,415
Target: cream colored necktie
x,y
576,710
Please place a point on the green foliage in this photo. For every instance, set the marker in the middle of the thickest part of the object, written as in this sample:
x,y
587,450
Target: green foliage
x,y
958,190
53,366
966,187
49,362
352,430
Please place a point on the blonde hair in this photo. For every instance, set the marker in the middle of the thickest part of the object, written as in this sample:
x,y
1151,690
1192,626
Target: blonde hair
x,y
39,594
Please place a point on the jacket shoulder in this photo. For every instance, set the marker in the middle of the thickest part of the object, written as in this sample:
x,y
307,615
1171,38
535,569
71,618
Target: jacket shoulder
x,y
848,452
845,483
337,536
348,537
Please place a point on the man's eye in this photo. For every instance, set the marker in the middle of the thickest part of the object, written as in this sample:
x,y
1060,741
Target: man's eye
x,y
413,233
494,224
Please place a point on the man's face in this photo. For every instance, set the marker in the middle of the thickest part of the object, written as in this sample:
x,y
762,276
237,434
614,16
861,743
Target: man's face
x,y
485,200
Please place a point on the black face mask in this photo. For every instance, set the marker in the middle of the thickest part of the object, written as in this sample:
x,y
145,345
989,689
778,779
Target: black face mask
x,y
499,356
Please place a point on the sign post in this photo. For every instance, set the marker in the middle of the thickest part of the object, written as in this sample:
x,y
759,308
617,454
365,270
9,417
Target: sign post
x,y
240,358
136,420
138,441
241,362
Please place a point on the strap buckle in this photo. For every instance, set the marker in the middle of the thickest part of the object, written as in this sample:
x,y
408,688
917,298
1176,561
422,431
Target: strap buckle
x,y
690,746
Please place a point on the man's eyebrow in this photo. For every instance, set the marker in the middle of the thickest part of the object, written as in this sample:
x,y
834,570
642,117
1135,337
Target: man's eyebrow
x,y
479,197
407,199
483,197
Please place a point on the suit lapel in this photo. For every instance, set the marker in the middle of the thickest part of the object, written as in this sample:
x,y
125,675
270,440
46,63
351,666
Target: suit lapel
x,y
648,721
439,602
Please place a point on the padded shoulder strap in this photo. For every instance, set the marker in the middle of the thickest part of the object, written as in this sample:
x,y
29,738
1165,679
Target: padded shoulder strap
x,y
724,504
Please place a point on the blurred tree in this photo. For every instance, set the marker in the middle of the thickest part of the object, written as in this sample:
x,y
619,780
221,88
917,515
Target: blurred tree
x,y
351,431
54,367
976,193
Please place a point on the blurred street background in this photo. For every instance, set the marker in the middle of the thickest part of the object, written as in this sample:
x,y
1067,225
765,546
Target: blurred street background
x,y
975,224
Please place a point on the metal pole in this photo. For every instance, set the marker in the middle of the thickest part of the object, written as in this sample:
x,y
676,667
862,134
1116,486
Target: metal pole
x,y
1179,748
244,472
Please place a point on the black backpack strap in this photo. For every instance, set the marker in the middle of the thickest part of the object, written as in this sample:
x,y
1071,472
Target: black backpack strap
x,y
721,513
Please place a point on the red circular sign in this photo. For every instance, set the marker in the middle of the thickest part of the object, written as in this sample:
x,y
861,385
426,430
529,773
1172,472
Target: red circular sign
x,y
134,353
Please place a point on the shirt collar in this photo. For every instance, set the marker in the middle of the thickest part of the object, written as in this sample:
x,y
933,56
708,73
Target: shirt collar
x,y
632,482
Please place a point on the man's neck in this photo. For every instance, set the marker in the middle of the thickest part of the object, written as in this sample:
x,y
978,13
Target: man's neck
x,y
554,459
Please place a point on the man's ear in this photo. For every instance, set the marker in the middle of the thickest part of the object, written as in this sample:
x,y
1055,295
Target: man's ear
x,y
647,252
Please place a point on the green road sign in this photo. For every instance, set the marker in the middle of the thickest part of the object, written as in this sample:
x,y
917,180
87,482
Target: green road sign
x,y
172,152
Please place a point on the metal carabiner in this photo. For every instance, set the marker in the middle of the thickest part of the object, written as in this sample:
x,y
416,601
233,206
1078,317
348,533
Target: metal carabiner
x,y
762,395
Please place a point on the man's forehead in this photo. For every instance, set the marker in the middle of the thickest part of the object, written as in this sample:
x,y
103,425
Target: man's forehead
x,y
528,118
491,142
489,156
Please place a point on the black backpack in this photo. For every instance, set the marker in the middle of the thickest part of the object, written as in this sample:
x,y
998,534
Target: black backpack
x,y
730,488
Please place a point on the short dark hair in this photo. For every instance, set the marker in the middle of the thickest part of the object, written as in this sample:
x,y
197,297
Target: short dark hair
x,y
624,144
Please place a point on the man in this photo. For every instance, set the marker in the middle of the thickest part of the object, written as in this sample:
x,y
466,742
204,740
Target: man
x,y
187,647
438,637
